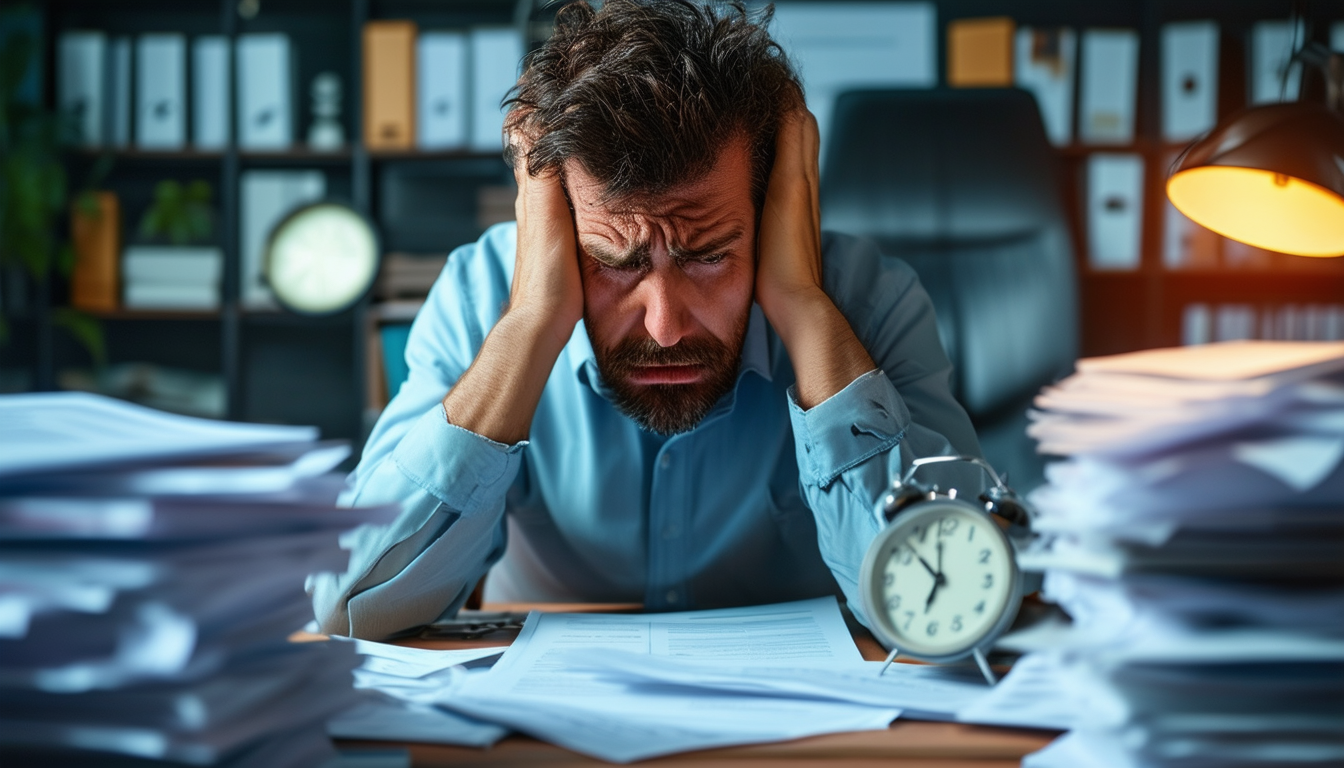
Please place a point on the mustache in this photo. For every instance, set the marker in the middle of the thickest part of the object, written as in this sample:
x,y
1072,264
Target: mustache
x,y
630,353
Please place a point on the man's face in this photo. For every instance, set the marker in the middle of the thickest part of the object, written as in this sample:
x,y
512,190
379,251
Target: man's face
x,y
667,284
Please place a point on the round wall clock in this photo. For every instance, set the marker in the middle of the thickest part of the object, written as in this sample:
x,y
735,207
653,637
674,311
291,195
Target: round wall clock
x,y
321,258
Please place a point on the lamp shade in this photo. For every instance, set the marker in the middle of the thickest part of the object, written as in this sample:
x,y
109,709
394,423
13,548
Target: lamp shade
x,y
1270,176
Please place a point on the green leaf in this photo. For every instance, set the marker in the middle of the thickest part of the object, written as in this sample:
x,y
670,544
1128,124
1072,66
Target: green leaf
x,y
65,259
85,329
199,191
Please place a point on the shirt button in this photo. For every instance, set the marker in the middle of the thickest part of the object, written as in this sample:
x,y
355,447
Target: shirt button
x,y
671,595
665,461
670,532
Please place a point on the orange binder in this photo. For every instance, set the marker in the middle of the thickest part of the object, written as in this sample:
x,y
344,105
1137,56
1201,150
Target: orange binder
x,y
95,284
389,84
980,52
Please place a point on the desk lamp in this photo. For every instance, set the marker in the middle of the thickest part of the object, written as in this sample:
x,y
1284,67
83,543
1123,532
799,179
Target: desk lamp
x,y
1272,176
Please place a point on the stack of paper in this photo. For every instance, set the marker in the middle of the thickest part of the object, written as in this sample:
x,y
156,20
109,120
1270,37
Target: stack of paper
x,y
1195,534
151,571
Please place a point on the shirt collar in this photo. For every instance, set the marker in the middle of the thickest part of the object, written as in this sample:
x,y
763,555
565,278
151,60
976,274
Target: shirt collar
x,y
756,355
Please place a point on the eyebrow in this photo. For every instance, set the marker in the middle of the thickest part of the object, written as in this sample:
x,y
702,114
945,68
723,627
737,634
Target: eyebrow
x,y
639,254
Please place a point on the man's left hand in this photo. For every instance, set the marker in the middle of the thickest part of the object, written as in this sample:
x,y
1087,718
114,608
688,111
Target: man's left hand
x,y
826,354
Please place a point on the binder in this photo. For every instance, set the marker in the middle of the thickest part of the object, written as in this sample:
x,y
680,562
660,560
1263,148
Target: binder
x,y
496,53
1189,79
442,90
1271,48
210,92
1114,210
265,198
1044,63
1337,37
119,94
161,91
1185,244
1110,80
980,52
96,238
80,83
389,85
264,65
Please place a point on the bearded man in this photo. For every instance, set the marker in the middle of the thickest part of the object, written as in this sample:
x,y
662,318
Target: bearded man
x,y
664,384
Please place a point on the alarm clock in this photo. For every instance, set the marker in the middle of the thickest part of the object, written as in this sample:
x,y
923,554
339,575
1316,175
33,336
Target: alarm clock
x,y
321,259
941,582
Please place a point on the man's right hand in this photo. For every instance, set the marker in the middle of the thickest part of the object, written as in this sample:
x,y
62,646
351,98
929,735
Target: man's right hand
x,y
498,395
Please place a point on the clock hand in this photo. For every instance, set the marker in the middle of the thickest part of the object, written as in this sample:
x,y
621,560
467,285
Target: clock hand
x,y
938,578
926,565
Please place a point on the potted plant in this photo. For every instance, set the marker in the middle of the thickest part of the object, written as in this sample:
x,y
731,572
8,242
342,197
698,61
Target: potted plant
x,y
175,266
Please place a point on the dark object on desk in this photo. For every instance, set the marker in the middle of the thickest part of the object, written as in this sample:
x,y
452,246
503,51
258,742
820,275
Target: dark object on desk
x,y
468,625
963,185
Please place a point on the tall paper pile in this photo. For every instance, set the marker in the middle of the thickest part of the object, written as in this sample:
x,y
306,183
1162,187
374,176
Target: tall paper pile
x,y
1198,526
151,571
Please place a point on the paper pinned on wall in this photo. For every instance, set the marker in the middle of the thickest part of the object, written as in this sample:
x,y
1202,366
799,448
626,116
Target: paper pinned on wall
x,y
839,46
1272,46
1110,85
1114,210
1044,63
1189,79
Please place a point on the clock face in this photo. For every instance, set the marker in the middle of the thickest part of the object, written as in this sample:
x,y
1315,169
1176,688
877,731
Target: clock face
x,y
321,259
940,580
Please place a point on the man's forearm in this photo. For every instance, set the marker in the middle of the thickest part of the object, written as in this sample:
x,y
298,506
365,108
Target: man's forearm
x,y
498,394
826,354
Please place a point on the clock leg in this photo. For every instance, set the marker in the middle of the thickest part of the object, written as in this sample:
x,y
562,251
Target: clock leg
x,y
984,666
890,658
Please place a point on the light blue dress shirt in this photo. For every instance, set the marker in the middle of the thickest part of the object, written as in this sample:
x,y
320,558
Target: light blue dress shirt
x,y
761,502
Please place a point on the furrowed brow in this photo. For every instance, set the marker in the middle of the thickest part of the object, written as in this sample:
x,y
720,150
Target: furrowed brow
x,y
709,248
634,257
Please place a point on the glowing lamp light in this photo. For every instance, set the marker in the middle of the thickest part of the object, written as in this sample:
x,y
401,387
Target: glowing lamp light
x,y
1271,177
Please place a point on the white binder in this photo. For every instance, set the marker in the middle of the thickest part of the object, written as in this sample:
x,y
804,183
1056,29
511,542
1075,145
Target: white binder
x,y
119,94
265,198
1110,84
1044,62
1189,79
265,91
1337,37
1114,210
210,92
161,91
1271,48
442,90
80,83
496,56
842,45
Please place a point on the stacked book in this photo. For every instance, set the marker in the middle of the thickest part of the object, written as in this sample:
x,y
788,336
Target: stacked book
x,y
162,277
153,571
1195,530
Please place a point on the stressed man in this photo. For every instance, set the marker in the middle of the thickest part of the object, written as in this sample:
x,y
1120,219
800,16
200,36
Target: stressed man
x,y
664,384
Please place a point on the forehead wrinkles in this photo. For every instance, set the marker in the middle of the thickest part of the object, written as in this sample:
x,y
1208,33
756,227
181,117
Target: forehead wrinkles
x,y
631,230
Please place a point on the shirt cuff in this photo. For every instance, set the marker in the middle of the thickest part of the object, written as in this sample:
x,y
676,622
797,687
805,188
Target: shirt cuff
x,y
864,419
455,465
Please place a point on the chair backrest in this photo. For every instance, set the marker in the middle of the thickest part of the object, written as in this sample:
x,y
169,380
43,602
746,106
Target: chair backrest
x,y
964,186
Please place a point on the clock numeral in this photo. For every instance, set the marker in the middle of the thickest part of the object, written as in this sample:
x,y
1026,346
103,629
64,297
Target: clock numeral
x,y
888,579
909,617
984,556
931,629
989,581
922,533
894,603
947,527
970,535
907,555
956,623
980,607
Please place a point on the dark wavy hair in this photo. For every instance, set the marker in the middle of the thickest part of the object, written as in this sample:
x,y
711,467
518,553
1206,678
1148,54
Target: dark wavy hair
x,y
644,94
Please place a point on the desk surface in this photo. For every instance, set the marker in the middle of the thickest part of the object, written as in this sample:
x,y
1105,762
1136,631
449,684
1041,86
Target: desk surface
x,y
906,743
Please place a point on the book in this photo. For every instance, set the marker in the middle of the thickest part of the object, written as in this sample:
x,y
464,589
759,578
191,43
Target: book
x,y
496,54
210,92
264,66
1114,210
96,239
1110,61
980,52
81,85
389,84
1272,45
161,91
266,197
442,90
1044,63
171,296
172,265
1189,79
119,94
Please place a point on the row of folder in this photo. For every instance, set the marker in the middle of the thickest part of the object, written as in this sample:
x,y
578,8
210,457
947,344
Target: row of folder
x,y
1192,531
153,570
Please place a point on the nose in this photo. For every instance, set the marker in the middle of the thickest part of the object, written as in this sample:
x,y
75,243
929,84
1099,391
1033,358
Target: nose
x,y
666,315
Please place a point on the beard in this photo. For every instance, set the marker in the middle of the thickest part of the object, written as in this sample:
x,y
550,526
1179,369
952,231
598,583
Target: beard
x,y
669,409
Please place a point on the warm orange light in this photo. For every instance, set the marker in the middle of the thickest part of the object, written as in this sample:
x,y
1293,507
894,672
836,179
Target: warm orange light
x,y
1261,208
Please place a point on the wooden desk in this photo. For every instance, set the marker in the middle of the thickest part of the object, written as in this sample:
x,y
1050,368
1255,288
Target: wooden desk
x,y
907,743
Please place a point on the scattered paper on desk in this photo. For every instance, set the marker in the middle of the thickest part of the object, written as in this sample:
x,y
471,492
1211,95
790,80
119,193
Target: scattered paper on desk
x,y
1029,696
384,718
1225,361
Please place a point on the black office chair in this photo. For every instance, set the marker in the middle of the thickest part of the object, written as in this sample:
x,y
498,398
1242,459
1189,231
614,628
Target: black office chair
x,y
963,185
